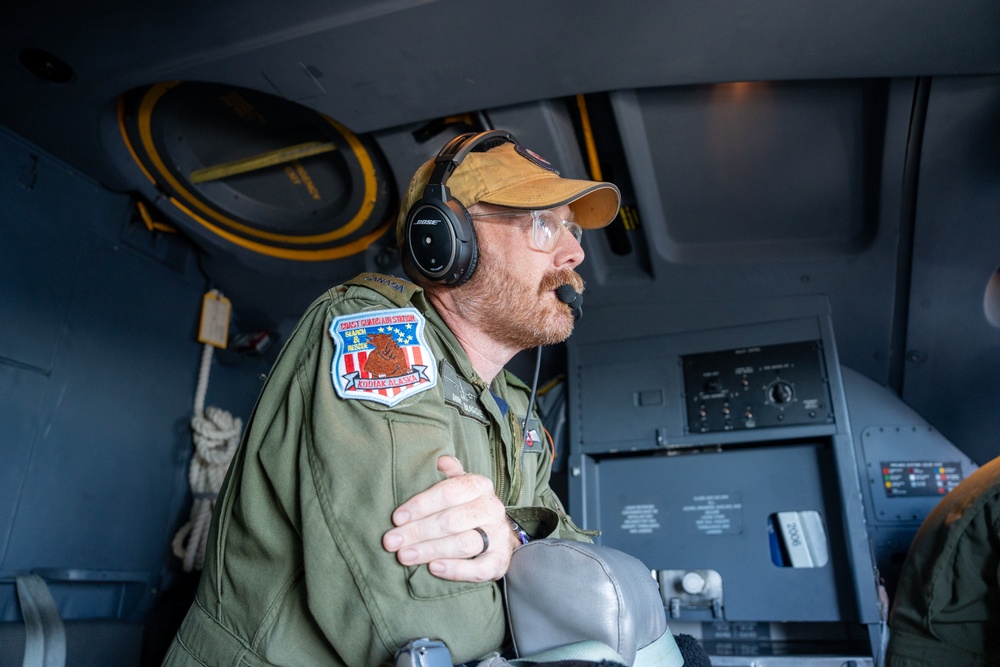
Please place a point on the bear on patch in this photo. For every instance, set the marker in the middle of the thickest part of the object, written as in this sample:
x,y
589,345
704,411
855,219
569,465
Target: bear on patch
x,y
387,359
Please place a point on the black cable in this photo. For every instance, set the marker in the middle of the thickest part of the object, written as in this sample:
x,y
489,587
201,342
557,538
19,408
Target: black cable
x,y
534,390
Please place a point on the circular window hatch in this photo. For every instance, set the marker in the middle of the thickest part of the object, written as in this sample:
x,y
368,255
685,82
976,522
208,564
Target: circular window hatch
x,y
257,176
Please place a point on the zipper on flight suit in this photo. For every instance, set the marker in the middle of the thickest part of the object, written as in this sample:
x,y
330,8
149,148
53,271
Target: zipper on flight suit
x,y
501,460
496,430
516,431
512,424
501,473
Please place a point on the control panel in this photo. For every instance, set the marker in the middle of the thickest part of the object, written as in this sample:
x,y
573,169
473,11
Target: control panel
x,y
754,387
722,456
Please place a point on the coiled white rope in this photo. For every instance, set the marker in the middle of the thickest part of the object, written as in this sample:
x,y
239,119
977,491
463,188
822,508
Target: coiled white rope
x,y
216,434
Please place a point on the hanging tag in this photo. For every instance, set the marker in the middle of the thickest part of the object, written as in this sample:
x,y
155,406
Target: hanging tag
x,y
214,327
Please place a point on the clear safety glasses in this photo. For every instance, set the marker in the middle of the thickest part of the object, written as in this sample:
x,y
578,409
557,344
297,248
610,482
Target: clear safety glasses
x,y
546,226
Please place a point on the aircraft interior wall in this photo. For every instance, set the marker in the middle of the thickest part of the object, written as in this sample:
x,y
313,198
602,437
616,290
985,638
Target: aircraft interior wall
x,y
877,197
98,368
951,333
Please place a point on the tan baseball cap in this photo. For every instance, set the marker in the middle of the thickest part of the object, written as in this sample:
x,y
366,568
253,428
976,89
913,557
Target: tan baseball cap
x,y
512,176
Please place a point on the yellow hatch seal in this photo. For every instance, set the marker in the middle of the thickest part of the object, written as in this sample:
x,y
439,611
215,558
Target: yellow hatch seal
x,y
149,100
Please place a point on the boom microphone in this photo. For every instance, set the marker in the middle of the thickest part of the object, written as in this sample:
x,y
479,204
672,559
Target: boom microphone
x,y
568,295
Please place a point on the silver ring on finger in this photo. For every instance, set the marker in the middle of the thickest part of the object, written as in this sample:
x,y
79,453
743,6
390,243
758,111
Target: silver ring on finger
x,y
486,541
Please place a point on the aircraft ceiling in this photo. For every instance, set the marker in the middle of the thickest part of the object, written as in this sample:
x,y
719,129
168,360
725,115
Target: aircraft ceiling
x,y
376,65
805,184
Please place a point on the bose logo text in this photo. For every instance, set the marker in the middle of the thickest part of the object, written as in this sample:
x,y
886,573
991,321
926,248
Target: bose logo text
x,y
425,222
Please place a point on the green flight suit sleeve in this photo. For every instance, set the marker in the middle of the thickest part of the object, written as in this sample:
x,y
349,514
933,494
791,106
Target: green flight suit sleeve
x,y
354,462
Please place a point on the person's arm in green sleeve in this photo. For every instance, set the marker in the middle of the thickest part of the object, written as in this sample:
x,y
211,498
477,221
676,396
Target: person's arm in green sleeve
x,y
356,464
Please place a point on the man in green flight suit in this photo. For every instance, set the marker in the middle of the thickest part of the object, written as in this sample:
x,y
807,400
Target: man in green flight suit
x,y
384,479
947,606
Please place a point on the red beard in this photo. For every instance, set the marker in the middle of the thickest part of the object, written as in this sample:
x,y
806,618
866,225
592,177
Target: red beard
x,y
499,301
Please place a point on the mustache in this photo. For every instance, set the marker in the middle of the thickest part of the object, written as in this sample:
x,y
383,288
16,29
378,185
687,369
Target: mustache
x,y
566,276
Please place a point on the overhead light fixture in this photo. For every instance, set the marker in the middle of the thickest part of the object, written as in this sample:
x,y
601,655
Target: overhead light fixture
x,y
46,66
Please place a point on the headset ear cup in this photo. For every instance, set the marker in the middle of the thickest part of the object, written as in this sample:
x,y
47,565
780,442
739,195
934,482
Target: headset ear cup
x,y
467,245
430,238
441,241
473,262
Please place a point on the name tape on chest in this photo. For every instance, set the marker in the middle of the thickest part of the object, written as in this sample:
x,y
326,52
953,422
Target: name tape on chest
x,y
460,394
381,356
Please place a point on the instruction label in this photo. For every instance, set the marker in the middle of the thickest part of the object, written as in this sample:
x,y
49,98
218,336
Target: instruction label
x,y
714,514
640,519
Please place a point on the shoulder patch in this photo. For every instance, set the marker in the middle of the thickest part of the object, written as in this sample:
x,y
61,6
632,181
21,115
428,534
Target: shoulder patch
x,y
395,289
381,356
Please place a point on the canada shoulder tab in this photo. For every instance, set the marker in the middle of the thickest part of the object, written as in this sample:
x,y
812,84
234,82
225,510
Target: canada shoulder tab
x,y
396,290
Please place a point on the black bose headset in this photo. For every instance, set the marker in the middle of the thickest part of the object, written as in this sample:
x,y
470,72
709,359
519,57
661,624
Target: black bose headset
x,y
439,235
